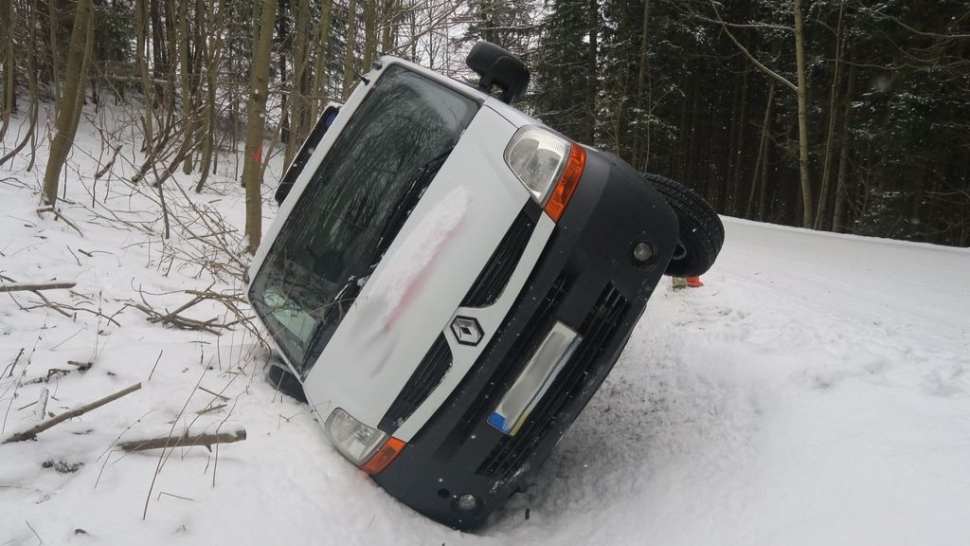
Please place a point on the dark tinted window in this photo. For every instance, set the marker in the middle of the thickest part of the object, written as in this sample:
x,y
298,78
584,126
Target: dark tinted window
x,y
306,150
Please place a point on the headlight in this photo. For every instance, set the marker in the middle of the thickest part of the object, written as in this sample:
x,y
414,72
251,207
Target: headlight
x,y
536,156
355,440
366,447
548,165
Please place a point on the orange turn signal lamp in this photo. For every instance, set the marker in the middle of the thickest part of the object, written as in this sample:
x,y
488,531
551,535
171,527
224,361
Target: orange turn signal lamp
x,y
387,453
568,182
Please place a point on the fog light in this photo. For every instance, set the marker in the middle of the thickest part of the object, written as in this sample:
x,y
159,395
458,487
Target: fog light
x,y
642,252
467,502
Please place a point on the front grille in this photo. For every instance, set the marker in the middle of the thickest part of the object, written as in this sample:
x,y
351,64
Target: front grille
x,y
507,370
493,278
598,330
425,378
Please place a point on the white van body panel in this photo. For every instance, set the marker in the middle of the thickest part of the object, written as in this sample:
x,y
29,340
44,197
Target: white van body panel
x,y
489,318
440,251
441,248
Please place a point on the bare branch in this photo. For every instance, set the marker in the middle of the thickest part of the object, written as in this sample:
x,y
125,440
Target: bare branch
x,y
31,433
765,26
50,208
184,441
769,72
33,287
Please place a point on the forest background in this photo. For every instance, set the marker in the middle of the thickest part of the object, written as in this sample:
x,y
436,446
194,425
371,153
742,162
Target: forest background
x,y
843,115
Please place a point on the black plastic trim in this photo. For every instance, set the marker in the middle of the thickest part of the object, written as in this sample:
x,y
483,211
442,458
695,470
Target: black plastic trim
x,y
491,282
597,331
584,279
423,381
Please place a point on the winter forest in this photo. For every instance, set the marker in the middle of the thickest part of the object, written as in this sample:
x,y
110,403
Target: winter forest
x,y
812,387
842,115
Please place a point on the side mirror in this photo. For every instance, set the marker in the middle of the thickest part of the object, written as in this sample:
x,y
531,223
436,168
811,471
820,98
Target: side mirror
x,y
497,67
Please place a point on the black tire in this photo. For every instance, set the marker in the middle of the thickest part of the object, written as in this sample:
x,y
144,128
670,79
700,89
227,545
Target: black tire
x,y
701,232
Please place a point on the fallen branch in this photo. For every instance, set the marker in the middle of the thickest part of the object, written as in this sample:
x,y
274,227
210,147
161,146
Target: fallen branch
x,y
176,320
184,441
180,323
56,372
32,287
48,303
60,306
210,409
31,433
104,170
13,364
50,208
217,395
53,372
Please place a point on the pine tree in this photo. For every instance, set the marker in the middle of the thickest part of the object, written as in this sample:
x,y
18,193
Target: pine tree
x,y
561,69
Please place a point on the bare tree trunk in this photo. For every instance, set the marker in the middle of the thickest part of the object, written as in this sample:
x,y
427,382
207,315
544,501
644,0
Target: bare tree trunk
x,y
802,92
643,121
619,114
34,106
388,17
370,33
213,53
350,57
171,53
823,196
188,96
687,176
735,166
763,191
141,58
256,125
762,150
7,35
320,70
283,35
55,54
841,186
591,77
69,109
297,100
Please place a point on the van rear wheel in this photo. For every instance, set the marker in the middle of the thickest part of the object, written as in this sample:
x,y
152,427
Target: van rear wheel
x,y
701,232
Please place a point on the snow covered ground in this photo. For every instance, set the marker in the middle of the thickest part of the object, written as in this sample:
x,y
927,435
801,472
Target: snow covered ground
x,y
815,391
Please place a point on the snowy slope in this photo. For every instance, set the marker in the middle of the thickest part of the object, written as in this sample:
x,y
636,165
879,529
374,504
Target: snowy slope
x,y
816,391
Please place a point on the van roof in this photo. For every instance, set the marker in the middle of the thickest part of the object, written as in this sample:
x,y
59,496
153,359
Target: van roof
x,y
507,111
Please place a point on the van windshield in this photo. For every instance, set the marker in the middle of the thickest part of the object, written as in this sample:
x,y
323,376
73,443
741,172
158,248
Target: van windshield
x,y
353,206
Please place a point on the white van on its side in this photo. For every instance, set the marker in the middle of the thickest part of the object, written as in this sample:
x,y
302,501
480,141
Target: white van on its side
x,y
450,281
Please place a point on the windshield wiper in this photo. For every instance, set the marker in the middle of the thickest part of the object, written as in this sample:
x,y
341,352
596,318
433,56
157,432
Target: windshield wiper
x,y
412,194
343,300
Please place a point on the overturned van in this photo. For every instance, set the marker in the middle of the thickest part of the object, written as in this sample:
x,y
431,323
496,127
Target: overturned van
x,y
449,281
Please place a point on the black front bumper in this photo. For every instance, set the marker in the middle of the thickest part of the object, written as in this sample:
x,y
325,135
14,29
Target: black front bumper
x,y
586,278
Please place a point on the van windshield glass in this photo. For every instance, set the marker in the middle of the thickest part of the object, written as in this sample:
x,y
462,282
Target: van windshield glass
x,y
353,206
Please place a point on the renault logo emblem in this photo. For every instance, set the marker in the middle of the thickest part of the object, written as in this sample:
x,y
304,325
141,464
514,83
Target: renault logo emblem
x,y
467,330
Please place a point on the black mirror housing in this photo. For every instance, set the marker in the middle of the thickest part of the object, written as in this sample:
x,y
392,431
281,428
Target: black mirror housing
x,y
497,67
